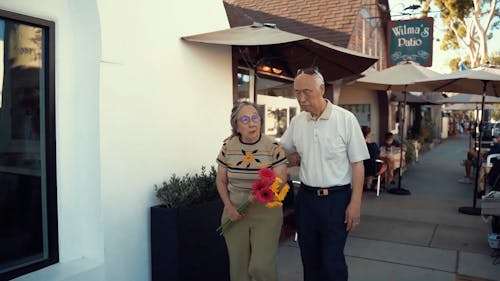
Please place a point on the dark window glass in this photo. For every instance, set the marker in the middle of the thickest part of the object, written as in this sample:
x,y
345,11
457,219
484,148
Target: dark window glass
x,y
277,98
28,222
243,85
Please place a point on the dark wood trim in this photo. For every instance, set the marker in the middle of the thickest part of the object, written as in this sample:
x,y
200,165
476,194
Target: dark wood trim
x,y
50,148
383,105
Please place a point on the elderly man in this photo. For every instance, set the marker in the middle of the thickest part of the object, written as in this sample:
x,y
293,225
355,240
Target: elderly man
x,y
328,143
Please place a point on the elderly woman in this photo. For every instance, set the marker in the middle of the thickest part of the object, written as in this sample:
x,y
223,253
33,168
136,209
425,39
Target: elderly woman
x,y
252,240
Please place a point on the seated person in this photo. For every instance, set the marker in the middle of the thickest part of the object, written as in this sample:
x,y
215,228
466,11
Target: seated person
x,y
471,160
387,148
371,166
389,141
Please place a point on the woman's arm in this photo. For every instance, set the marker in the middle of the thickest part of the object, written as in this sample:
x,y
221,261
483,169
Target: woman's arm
x,y
221,180
281,172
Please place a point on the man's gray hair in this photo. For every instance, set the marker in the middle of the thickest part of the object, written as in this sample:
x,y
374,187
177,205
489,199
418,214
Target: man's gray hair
x,y
314,71
236,110
319,79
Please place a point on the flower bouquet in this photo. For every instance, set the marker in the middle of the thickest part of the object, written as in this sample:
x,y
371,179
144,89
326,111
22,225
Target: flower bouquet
x,y
268,189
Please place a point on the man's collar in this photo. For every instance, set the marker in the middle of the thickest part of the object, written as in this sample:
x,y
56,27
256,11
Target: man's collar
x,y
326,113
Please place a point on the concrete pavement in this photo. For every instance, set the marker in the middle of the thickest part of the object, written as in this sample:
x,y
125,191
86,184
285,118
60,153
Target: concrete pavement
x,y
417,237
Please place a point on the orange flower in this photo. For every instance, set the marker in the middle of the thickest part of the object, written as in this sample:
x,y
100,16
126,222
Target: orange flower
x,y
248,158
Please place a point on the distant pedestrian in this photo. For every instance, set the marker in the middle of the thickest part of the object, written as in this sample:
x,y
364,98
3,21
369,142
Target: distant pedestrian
x,y
331,149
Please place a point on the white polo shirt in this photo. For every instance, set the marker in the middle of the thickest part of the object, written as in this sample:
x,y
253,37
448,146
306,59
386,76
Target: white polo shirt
x,y
327,146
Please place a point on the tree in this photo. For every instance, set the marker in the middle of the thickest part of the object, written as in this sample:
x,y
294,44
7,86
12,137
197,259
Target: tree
x,y
468,24
454,64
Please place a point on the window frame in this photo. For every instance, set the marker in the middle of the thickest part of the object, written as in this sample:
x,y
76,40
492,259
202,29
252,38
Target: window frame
x,y
50,142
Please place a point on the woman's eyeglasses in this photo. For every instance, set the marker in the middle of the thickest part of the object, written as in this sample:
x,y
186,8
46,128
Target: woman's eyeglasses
x,y
245,119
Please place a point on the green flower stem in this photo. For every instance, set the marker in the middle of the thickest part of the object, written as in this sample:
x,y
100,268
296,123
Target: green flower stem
x,y
221,229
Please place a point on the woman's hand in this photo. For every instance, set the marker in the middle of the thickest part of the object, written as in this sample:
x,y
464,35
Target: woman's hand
x,y
234,215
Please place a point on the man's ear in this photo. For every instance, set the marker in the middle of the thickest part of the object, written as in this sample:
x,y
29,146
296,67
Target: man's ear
x,y
322,89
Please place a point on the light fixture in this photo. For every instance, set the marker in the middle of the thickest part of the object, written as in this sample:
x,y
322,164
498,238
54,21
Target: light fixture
x,y
265,68
277,70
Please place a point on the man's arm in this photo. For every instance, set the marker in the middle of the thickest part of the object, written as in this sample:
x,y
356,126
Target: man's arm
x,y
353,211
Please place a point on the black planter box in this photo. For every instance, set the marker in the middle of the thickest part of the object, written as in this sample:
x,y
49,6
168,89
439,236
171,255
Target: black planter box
x,y
185,245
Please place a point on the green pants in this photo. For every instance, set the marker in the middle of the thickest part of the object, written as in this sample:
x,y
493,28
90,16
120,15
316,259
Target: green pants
x,y
252,243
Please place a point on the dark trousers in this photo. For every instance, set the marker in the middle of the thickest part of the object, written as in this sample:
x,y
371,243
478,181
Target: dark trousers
x,y
322,234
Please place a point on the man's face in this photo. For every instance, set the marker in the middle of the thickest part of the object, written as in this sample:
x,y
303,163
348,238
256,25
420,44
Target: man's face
x,y
309,94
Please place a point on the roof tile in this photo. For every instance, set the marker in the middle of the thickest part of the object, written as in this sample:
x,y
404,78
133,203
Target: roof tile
x,y
331,21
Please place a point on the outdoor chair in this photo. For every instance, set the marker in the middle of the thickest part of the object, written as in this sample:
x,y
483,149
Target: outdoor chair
x,y
381,171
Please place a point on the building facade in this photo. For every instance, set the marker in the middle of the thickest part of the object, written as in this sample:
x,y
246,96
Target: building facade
x,y
133,104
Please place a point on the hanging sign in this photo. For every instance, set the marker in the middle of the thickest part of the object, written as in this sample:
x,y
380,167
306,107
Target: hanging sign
x,y
410,40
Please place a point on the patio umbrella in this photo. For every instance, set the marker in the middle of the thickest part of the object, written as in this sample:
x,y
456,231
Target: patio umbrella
x,y
468,106
484,80
400,77
469,99
267,46
413,99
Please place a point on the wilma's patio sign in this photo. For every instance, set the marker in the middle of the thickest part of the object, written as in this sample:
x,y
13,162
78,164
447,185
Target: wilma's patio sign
x,y
410,40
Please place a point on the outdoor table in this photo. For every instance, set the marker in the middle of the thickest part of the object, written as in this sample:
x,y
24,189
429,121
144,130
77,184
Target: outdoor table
x,y
393,155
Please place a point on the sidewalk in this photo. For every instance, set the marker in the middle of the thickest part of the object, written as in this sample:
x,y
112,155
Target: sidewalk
x,y
417,237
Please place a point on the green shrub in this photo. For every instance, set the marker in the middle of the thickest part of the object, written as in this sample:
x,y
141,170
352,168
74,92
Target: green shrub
x,y
190,190
410,155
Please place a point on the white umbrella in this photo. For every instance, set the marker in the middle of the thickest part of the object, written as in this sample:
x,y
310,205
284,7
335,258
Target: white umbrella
x,y
400,77
481,80
469,98
484,80
468,106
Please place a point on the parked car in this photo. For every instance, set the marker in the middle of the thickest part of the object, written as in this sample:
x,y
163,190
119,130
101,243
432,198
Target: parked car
x,y
490,131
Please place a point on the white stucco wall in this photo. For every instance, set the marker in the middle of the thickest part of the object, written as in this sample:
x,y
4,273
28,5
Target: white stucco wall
x,y
134,104
164,109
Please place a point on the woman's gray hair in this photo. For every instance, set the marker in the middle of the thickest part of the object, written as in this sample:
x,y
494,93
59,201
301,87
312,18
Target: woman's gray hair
x,y
236,110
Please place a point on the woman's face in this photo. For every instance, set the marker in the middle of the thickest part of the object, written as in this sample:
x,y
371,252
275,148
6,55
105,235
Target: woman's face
x,y
248,124
368,137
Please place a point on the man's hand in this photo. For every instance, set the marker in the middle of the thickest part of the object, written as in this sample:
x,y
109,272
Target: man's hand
x,y
352,215
293,159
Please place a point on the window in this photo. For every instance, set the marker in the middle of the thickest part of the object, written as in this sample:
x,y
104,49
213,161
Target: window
x,y
361,111
273,95
276,98
28,208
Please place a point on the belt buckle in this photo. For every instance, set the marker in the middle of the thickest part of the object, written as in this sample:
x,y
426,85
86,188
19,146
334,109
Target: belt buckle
x,y
322,192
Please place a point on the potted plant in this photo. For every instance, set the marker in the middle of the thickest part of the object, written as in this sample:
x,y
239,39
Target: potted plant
x,y
184,243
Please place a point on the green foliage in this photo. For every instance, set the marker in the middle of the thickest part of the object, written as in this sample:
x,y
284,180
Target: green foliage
x,y
190,190
410,155
494,59
454,64
495,114
426,134
449,41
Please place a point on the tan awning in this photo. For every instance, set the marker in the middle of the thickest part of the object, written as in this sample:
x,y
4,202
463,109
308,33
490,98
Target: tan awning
x,y
293,50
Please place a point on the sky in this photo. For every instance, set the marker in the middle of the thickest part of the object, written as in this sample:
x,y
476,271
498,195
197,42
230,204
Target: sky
x,y
440,58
